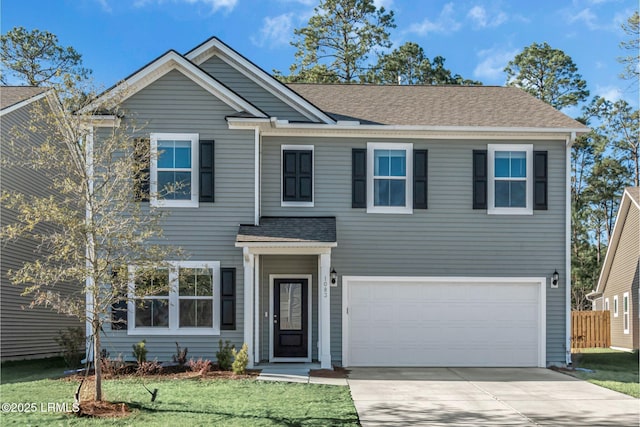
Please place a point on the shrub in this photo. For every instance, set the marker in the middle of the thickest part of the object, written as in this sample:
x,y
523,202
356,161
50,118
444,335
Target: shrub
x,y
200,366
149,368
113,367
225,355
239,366
140,351
181,355
71,341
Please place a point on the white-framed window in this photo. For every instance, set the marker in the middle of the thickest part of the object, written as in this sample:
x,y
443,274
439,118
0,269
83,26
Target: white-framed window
x,y
510,179
606,304
297,175
625,312
389,177
173,169
615,306
181,298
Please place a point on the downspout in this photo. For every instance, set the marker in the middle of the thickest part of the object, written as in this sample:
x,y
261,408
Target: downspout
x,y
256,176
567,267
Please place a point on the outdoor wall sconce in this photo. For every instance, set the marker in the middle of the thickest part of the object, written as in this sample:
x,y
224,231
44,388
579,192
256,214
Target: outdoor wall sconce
x,y
334,277
554,279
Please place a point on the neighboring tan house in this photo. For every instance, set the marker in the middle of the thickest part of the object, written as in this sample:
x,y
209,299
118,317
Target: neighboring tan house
x,y
618,287
25,333
352,225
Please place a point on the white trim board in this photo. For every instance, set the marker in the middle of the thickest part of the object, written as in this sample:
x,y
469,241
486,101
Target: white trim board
x,y
309,279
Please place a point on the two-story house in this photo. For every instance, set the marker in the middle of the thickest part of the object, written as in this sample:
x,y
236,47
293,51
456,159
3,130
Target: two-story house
x,y
350,224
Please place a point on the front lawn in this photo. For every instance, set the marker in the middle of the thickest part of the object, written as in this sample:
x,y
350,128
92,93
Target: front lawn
x,y
187,402
616,370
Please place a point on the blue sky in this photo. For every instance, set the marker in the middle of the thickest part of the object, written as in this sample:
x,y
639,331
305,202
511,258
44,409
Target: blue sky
x,y
477,37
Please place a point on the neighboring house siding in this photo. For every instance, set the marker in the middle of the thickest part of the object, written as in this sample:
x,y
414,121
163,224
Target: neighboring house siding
x,y
250,90
25,332
175,104
624,277
287,264
447,239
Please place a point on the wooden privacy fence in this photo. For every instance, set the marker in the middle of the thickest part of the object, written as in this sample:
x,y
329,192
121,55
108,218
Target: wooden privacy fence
x,y
590,329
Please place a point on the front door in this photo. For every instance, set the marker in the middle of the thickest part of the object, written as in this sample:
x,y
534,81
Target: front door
x,y
290,318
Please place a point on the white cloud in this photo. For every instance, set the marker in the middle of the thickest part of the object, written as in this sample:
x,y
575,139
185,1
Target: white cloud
x,y
481,18
105,5
587,17
215,5
276,30
490,69
446,23
610,93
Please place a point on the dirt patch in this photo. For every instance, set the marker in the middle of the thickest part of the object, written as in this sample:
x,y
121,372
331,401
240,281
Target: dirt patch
x,y
336,372
93,409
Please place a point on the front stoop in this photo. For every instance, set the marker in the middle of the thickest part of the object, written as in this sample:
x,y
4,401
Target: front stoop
x,y
295,373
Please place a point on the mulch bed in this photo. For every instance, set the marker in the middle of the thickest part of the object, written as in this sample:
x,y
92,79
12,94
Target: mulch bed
x,y
93,409
336,372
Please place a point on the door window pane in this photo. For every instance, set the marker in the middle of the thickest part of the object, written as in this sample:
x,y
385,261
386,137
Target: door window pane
x,y
291,306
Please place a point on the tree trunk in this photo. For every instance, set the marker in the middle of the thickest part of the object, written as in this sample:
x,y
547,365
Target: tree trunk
x,y
96,358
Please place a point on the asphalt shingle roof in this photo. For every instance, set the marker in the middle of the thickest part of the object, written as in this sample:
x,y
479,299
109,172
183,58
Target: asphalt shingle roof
x,y
290,230
11,95
634,192
483,106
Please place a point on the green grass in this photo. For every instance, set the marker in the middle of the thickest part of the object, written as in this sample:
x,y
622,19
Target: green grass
x,y
30,370
192,402
616,370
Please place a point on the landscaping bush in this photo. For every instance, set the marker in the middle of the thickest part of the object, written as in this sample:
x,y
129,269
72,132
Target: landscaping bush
x,y
114,367
149,368
140,351
225,355
71,341
181,355
200,366
239,366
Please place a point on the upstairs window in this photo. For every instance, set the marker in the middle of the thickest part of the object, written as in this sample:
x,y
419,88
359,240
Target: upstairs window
x,y
174,174
510,186
297,175
390,179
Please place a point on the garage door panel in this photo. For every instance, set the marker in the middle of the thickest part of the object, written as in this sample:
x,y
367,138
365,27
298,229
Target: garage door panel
x,y
456,323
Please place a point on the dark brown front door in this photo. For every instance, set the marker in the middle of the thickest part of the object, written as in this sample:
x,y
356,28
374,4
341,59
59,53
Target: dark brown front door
x,y
290,318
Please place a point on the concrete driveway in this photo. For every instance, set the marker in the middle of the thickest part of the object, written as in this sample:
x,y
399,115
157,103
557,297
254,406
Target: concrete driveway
x,y
485,397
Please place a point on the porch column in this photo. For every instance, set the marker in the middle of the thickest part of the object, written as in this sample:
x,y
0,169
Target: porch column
x,y
324,318
248,261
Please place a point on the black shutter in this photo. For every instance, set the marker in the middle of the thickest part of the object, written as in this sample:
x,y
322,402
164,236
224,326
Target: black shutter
x,y
141,157
540,180
359,178
289,175
305,176
228,299
479,179
420,179
207,171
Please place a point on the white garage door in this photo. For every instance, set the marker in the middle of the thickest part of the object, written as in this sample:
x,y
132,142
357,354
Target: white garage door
x,y
443,322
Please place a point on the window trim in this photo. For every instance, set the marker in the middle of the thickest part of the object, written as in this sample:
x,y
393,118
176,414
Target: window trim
x,y
153,170
625,313
408,148
174,306
615,306
491,208
286,147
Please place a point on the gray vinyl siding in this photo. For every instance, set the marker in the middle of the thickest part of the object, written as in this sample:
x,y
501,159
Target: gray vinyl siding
x,y
448,239
623,277
26,333
175,104
287,264
251,91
